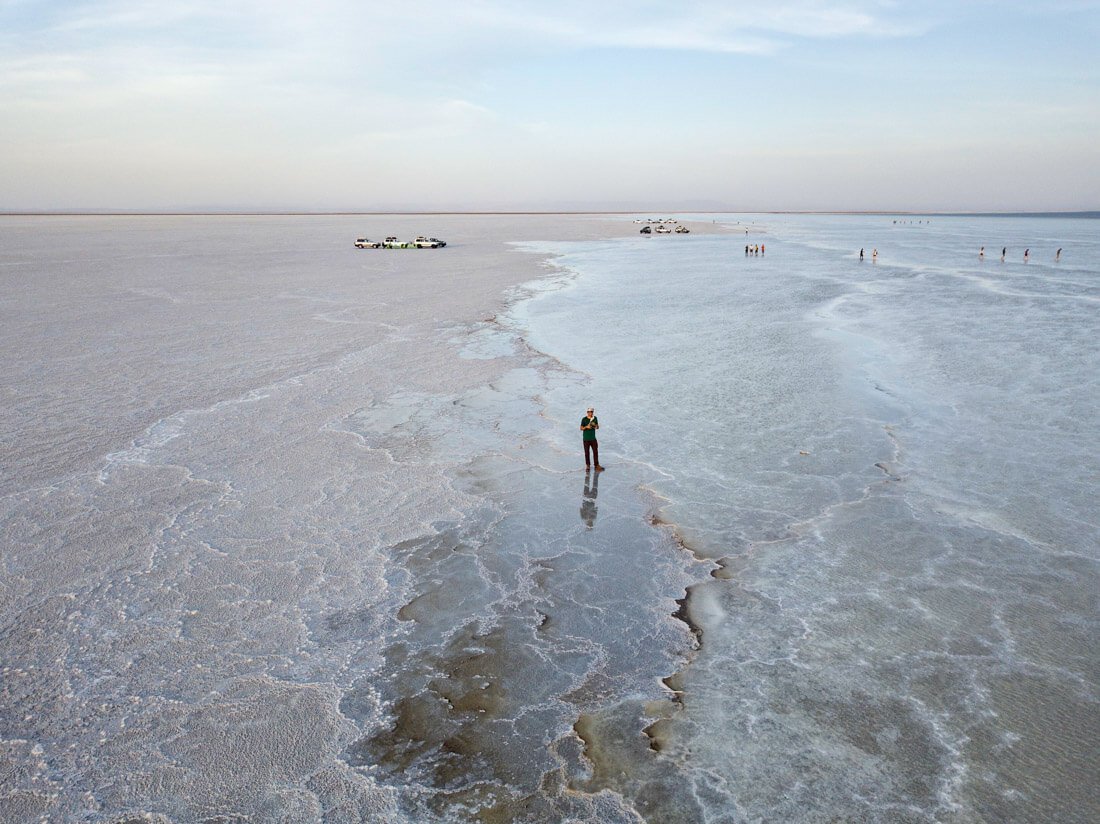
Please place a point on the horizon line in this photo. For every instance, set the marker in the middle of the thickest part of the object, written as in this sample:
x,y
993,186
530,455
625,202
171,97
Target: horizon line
x,y
547,212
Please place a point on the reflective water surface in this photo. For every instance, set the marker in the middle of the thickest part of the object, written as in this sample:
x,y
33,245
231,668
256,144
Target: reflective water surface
x,y
894,463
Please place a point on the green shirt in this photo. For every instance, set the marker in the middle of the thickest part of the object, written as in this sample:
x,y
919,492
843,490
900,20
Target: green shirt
x,y
589,434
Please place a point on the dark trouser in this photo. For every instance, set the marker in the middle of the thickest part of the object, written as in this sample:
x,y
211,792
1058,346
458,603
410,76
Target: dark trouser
x,y
595,448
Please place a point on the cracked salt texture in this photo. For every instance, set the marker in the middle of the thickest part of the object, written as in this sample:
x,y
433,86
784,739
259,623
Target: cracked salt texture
x,y
297,532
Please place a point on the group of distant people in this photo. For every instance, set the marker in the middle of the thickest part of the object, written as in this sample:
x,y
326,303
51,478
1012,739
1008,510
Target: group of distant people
x,y
981,254
1027,254
754,249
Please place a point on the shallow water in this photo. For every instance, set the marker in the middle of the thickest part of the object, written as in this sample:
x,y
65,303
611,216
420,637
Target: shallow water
x,y
895,464
299,533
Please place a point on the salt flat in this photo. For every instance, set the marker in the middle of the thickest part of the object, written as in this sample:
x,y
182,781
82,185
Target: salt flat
x,y
293,531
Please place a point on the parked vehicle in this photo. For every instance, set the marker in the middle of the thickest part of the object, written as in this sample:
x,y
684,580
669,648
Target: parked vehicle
x,y
392,242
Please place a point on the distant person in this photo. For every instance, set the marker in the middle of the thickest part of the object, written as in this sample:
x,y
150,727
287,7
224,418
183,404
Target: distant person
x,y
746,250
981,253
1004,251
589,424
1058,255
761,248
874,256
1027,254
860,255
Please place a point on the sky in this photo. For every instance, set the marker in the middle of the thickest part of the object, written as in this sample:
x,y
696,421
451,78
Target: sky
x,y
480,105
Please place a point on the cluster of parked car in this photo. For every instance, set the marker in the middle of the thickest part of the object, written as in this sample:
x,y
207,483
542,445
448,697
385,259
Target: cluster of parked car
x,y
662,229
421,242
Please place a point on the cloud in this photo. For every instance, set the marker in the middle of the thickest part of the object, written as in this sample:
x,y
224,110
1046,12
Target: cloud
x,y
695,25
246,26
119,47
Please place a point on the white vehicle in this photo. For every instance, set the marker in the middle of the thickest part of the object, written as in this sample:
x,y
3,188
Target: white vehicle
x,y
663,230
393,243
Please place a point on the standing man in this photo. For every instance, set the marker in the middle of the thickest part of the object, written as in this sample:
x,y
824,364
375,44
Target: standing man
x,y
589,424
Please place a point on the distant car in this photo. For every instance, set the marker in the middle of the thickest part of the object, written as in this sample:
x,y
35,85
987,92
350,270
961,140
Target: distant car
x,y
682,230
663,230
393,243
645,230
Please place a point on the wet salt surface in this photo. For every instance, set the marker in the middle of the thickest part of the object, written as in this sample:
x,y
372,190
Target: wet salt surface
x,y
265,532
896,466
300,533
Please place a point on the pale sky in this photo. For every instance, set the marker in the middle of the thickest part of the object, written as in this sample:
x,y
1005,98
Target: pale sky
x,y
488,104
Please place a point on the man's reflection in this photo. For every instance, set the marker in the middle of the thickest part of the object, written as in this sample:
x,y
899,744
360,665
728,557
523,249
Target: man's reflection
x,y
588,502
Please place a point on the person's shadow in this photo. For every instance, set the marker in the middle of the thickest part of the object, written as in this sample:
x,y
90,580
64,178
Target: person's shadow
x,y
588,499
